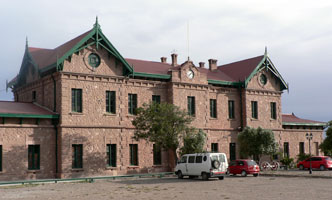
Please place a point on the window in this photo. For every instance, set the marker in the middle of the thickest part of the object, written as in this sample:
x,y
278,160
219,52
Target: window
x,y
273,110
33,157
156,98
34,95
111,155
0,158
77,153
231,113
156,155
110,102
76,100
254,110
232,151
214,147
286,149
132,104
191,159
213,108
191,106
133,154
183,159
94,60
316,148
301,147
199,159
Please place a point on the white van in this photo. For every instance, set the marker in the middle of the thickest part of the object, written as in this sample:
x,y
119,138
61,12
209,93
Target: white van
x,y
207,165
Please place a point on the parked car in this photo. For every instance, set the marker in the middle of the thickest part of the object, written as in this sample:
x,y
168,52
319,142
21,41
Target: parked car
x,y
243,167
317,162
207,165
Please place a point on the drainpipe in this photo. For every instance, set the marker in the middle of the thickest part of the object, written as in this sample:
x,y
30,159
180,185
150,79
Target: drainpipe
x,y
241,108
55,123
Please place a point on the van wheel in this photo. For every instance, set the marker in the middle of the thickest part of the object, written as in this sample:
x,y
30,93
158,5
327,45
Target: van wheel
x,y
244,173
301,167
221,178
205,176
191,177
322,168
180,175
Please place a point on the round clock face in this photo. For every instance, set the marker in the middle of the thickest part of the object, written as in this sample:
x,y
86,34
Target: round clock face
x,y
263,79
190,74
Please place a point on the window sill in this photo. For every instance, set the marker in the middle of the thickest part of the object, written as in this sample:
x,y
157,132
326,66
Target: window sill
x,y
212,118
157,166
33,171
273,119
110,114
76,113
77,169
231,119
252,119
133,166
111,168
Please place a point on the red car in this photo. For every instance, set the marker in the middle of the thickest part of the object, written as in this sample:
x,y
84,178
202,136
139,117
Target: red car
x,y
317,162
243,167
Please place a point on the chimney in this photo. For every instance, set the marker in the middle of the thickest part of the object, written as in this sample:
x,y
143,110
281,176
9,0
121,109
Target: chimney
x,y
174,59
201,64
163,59
212,64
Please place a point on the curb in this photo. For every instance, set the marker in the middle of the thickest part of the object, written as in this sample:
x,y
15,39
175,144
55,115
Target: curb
x,y
295,176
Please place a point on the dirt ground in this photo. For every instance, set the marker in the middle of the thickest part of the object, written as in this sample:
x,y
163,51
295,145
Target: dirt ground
x,y
173,188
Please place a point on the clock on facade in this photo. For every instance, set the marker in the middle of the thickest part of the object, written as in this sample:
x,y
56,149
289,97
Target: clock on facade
x,y
190,74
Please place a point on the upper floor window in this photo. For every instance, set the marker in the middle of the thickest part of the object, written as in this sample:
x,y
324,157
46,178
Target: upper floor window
x,y
156,98
231,113
273,106
0,157
110,102
213,108
76,100
191,105
132,104
254,110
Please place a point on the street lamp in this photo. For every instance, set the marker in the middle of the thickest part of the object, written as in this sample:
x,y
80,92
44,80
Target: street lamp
x,y
309,137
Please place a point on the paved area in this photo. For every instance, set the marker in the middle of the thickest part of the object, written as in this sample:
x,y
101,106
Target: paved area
x,y
299,173
232,187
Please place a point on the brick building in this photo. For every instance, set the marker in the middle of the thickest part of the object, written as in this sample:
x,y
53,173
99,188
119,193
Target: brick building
x,y
74,105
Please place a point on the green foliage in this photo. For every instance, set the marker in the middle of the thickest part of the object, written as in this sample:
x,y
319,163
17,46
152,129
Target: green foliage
x,y
326,146
287,161
256,142
165,125
193,141
302,156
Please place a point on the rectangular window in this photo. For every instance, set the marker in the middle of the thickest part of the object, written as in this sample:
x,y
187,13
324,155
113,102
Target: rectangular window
x,y
316,148
199,159
34,95
156,98
213,108
232,151
77,153
214,147
156,155
133,154
191,159
33,157
286,149
0,157
191,106
254,110
132,104
301,147
76,100
231,108
273,110
110,102
111,155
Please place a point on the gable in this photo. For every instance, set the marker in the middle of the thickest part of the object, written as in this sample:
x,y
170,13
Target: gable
x,y
188,73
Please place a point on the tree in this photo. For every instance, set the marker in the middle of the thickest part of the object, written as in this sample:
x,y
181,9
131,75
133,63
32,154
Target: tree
x,y
193,141
164,124
326,146
256,142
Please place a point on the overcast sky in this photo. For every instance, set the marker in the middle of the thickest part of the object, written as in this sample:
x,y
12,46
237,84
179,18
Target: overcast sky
x,y
298,36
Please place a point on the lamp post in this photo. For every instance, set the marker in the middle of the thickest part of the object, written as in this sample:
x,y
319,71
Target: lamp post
x,y
309,137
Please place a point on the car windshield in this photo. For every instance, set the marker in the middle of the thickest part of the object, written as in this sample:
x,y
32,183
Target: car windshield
x,y
251,162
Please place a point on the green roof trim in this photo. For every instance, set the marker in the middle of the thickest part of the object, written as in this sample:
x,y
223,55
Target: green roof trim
x,y
18,115
303,124
217,82
148,75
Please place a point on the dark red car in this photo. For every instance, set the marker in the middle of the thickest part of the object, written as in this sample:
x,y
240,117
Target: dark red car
x,y
243,167
317,162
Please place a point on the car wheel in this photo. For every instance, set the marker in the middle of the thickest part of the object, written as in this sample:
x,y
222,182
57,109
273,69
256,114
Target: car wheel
x,y
234,174
180,175
255,175
221,178
301,167
191,177
205,176
322,167
244,173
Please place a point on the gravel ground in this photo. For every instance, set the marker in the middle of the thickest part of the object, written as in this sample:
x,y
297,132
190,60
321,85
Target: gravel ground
x,y
173,188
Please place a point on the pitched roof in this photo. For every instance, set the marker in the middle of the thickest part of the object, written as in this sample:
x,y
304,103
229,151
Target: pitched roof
x,y
151,67
291,119
46,57
19,109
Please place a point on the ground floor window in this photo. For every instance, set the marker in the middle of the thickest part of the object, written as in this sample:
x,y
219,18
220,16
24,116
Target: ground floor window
x,y
232,151
111,155
77,153
301,147
156,155
133,150
286,149
214,147
316,148
34,157
0,157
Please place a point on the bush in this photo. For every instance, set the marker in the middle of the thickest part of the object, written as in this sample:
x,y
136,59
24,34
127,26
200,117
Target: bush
x,y
302,156
287,162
